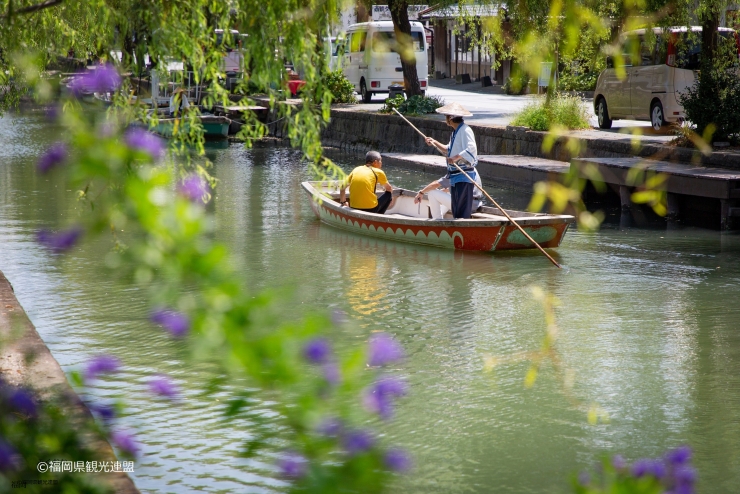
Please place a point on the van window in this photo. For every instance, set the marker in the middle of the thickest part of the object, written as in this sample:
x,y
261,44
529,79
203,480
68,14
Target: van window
x,y
385,41
688,53
358,41
646,52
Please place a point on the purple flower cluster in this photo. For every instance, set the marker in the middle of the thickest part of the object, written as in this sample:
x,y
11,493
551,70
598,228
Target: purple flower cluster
x,y
53,157
139,139
318,351
104,79
673,472
105,411
379,397
193,188
357,441
9,459
175,322
384,350
126,442
163,386
103,364
292,465
397,460
60,241
22,402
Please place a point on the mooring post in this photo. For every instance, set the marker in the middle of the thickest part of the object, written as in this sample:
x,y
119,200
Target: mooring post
x,y
725,214
625,197
672,206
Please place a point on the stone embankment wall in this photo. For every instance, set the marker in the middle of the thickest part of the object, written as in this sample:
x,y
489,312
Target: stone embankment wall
x,y
359,131
26,361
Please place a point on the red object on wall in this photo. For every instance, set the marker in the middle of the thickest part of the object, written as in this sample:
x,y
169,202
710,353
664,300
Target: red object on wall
x,y
295,86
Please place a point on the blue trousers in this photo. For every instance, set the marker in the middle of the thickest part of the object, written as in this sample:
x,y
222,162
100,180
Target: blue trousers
x,y
462,199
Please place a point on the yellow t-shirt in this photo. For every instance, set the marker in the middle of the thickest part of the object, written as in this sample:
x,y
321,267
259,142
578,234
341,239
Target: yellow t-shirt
x,y
362,186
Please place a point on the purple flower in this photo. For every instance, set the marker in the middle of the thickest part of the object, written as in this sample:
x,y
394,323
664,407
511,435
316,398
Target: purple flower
x,y
8,457
645,467
22,402
384,349
379,397
51,112
679,456
397,460
356,442
103,364
61,241
162,386
317,351
104,79
684,475
618,462
54,156
584,479
331,373
193,187
141,140
105,411
292,464
175,322
126,442
331,427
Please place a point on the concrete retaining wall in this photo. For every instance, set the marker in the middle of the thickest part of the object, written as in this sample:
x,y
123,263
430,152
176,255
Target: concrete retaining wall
x,y
27,361
358,132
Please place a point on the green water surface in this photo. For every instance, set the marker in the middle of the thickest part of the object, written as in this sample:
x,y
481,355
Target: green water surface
x,y
648,332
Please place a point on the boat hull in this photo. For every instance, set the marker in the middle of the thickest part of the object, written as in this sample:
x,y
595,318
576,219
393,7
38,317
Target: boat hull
x,y
474,235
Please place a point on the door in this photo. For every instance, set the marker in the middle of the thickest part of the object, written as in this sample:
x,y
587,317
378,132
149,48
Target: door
x,y
641,81
353,57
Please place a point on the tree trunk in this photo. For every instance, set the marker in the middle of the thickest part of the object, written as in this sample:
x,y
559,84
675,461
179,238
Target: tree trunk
x,y
402,28
709,39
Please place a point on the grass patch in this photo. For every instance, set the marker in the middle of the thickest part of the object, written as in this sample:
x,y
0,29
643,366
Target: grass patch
x,y
563,110
415,105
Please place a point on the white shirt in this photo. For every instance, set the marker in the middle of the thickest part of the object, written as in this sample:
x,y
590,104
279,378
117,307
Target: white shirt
x,y
184,103
463,143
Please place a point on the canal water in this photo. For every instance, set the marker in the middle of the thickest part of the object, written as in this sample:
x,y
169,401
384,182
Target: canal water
x,y
648,332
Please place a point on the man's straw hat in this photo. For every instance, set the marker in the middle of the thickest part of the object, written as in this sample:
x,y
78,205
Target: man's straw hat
x,y
454,110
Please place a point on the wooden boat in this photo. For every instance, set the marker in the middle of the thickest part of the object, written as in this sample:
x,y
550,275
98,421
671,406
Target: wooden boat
x,y
213,126
488,230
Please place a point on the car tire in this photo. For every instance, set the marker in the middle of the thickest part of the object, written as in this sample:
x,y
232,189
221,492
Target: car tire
x,y
602,114
423,94
657,117
364,94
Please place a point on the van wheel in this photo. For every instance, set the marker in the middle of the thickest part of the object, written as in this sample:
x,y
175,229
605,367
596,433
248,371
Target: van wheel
x,y
656,115
602,113
366,97
423,94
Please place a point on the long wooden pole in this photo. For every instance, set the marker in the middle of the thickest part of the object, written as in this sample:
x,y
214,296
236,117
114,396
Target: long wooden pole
x,y
489,198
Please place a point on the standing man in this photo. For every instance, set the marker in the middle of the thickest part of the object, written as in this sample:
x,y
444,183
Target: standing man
x,y
463,151
362,182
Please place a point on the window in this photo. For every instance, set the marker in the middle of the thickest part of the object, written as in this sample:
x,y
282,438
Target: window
x,y
385,41
358,41
647,50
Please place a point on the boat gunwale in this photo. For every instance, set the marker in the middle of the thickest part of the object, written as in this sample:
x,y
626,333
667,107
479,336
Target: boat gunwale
x,y
542,219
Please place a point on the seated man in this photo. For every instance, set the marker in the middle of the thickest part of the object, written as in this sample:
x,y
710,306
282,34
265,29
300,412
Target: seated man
x,y
362,182
440,201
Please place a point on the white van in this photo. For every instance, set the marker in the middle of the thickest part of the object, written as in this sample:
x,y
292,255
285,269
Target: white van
x,y
654,79
371,61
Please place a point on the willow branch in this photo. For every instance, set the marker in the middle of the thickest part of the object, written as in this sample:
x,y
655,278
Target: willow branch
x,y
30,9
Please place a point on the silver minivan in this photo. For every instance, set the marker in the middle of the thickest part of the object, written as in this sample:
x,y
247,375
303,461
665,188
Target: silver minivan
x,y
666,65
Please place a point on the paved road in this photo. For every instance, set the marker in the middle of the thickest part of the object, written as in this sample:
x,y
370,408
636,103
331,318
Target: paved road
x,y
490,107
